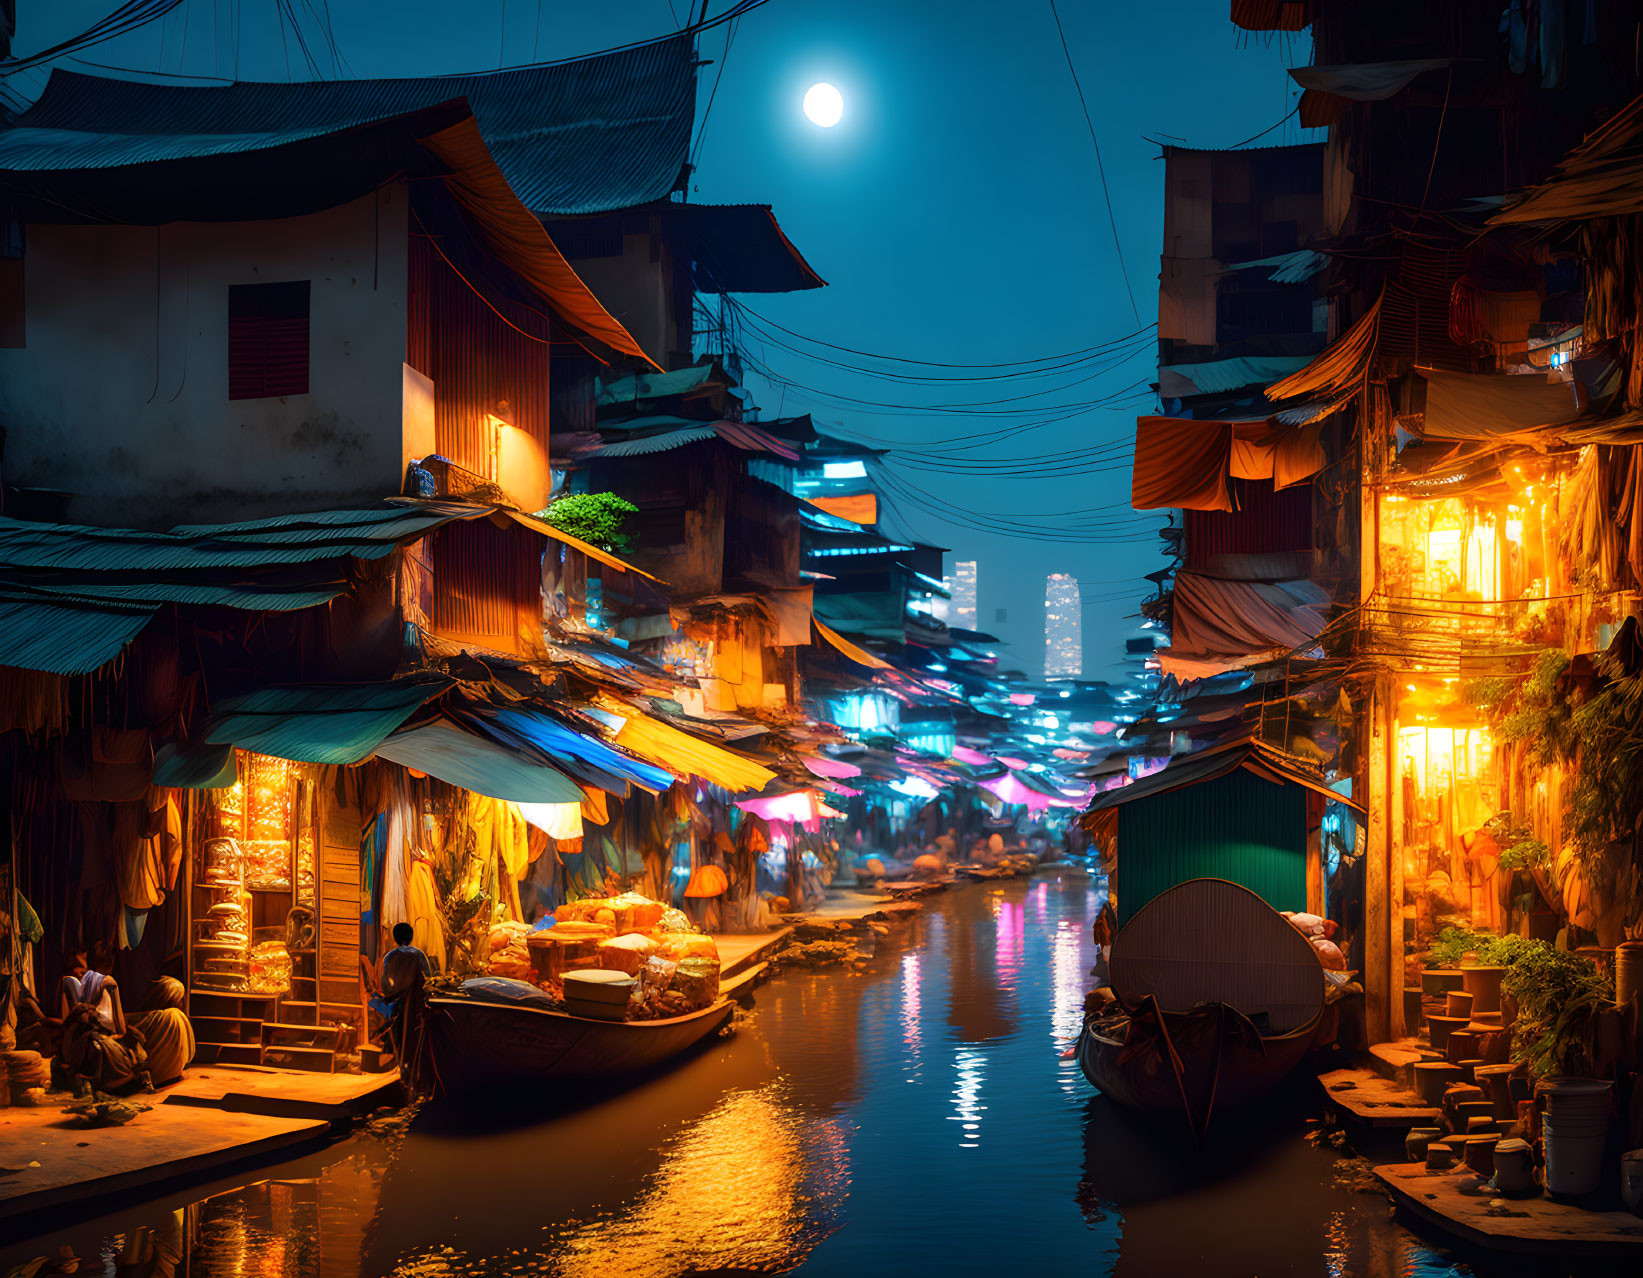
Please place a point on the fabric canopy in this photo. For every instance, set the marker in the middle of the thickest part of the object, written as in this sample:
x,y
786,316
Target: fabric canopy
x,y
858,508
1213,618
320,723
857,654
1180,462
1339,370
1366,81
683,754
1187,462
1492,406
561,742
194,767
443,750
516,236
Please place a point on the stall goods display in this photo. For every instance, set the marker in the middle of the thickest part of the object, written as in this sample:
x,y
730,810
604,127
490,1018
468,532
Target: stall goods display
x,y
270,969
675,967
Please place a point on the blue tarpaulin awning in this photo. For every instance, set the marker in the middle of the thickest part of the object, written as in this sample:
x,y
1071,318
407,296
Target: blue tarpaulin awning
x,y
559,741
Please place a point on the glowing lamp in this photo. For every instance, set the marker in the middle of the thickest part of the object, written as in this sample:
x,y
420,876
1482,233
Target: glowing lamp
x,y
708,880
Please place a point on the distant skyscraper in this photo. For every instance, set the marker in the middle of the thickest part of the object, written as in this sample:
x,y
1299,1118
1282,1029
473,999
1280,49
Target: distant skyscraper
x,y
962,584
1063,627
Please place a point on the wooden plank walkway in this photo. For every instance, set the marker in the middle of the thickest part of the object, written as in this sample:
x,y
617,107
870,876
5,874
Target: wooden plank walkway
x,y
72,1164
282,1093
1366,1097
1460,1204
739,951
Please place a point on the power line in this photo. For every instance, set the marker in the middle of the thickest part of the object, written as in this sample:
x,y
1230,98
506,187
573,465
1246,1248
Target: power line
x,y
1099,167
127,18
741,305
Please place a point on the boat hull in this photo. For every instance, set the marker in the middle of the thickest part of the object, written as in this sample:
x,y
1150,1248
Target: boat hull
x,y
469,1044
1218,1069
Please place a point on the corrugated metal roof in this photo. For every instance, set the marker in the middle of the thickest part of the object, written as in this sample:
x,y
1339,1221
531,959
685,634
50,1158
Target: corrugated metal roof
x,y
743,435
582,137
1213,377
663,443
632,387
321,723
65,638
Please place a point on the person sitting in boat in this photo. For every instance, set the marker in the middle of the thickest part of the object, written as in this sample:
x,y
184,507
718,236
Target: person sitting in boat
x,y
404,968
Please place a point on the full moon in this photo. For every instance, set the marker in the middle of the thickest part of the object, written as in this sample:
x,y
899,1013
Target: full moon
x,y
824,105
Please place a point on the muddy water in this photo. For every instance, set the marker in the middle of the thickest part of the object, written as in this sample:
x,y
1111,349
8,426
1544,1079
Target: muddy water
x,y
916,1118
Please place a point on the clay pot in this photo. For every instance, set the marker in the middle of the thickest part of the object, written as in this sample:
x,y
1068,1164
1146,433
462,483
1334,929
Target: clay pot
x,y
1480,1154
1436,982
1417,1140
1514,1167
1439,1028
1458,1003
1412,1009
1469,1070
1456,1096
1631,1181
1439,1156
1462,1045
1483,984
1481,1125
1468,1110
1432,1079
1496,1083
1628,971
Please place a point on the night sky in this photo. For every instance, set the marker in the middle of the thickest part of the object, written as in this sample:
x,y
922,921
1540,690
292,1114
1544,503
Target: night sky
x,y
956,213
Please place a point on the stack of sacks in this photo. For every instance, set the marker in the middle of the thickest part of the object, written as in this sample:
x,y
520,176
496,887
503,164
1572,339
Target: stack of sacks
x,y
1319,931
509,956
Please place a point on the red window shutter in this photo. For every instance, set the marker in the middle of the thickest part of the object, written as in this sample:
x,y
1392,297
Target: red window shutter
x,y
267,340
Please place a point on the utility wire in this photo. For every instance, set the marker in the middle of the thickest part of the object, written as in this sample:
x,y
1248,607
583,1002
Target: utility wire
x,y
1099,167
127,18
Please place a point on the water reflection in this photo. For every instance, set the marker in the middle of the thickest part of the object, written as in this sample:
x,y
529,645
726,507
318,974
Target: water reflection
x,y
915,1118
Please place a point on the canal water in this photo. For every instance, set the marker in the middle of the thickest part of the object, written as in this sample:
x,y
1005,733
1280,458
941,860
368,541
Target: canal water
x,y
917,1117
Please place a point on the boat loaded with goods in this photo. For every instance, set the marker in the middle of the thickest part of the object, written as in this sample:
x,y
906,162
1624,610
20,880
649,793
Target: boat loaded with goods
x,y
602,987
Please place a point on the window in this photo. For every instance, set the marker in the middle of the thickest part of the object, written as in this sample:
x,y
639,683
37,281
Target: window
x,y
13,329
267,340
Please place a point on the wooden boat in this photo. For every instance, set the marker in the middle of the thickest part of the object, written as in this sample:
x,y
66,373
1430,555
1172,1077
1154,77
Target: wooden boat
x,y
1219,999
471,1044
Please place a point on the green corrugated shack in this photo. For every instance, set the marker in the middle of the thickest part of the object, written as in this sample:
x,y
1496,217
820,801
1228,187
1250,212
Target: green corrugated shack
x,y
1241,811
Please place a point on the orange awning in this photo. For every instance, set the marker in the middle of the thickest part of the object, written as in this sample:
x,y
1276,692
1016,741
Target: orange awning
x,y
859,655
859,508
517,238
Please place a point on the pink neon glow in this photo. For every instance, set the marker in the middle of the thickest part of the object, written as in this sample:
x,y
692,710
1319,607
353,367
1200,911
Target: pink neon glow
x,y
966,755
1022,698
1008,762
1009,788
1061,752
800,805
1103,726
832,768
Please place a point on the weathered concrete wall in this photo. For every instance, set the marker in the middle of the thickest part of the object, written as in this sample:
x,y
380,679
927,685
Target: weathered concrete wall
x,y
635,289
121,394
